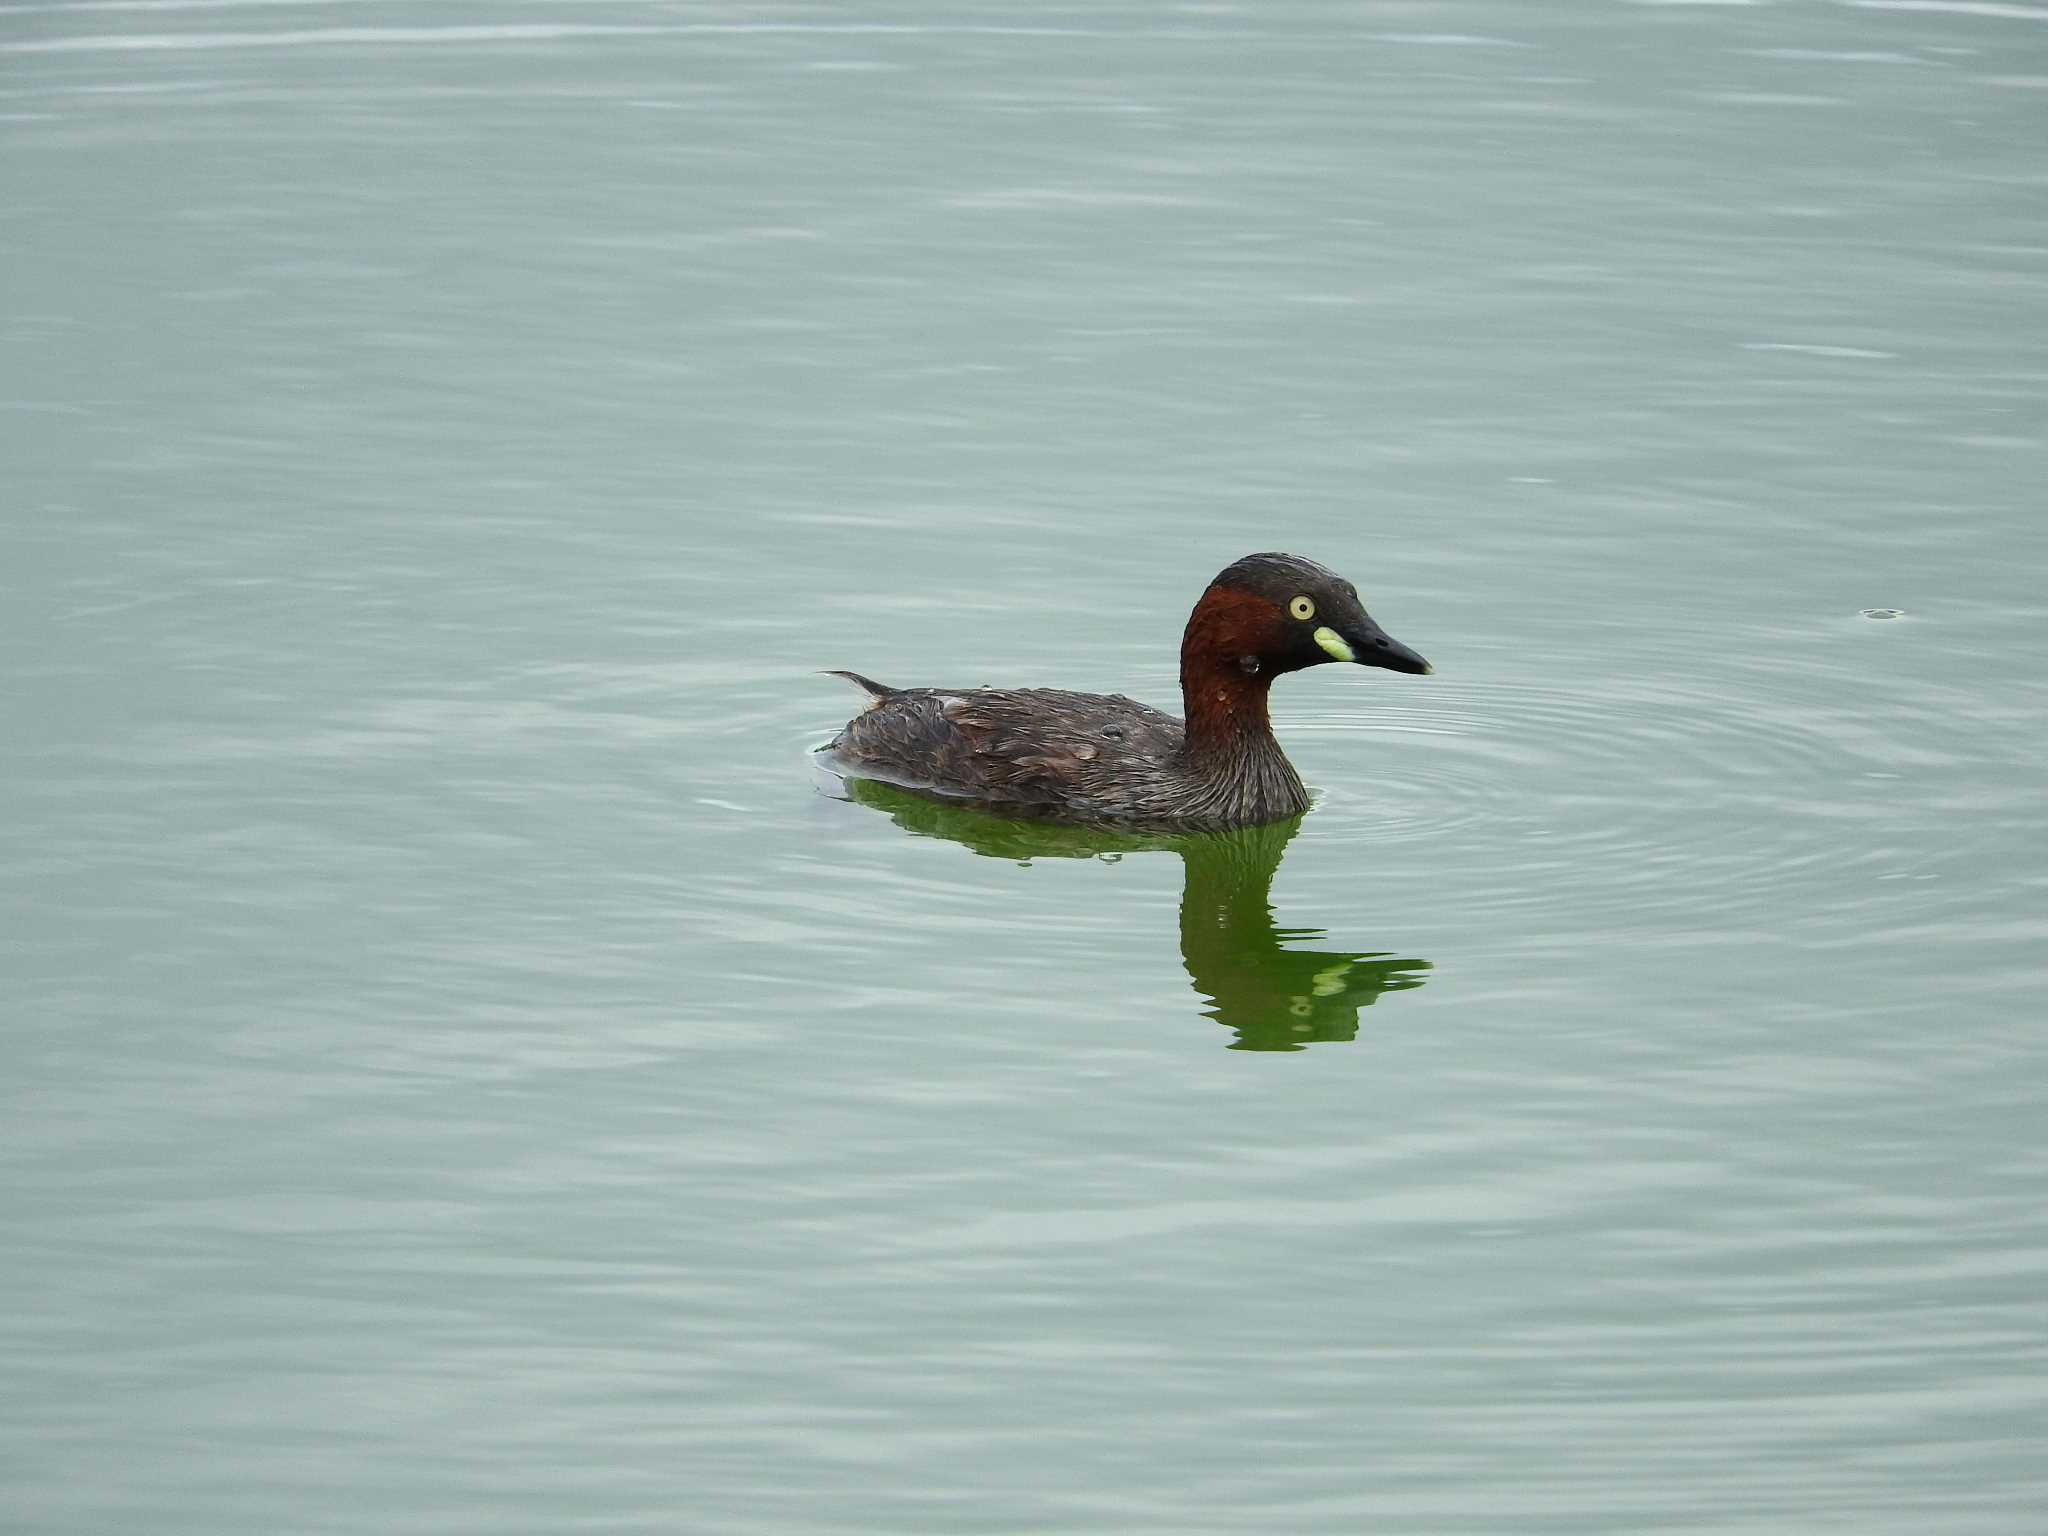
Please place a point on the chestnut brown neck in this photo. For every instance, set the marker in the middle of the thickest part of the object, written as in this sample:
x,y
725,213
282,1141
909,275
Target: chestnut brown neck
x,y
1223,683
1236,772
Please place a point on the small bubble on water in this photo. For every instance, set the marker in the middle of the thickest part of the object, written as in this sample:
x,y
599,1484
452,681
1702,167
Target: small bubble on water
x,y
1882,613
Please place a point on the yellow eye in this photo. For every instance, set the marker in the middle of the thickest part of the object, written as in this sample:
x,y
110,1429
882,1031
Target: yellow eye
x,y
1302,608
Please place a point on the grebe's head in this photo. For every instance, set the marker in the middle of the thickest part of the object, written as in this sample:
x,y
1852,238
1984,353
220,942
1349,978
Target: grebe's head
x,y
1279,613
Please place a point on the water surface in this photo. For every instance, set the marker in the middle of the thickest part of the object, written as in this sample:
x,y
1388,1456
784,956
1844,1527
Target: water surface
x,y
465,1073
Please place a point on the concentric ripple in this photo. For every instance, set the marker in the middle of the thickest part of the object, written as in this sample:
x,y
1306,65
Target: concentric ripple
x,y
1683,790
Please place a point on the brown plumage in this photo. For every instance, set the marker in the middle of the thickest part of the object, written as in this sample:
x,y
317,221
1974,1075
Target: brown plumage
x,y
1104,759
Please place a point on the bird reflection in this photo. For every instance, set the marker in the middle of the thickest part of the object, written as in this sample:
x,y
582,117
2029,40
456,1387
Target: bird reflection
x,y
1273,994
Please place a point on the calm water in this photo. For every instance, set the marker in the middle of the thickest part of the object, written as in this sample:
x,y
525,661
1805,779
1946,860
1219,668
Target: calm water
x,y
464,1071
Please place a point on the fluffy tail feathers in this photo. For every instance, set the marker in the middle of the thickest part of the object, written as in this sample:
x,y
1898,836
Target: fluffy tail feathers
x,y
875,691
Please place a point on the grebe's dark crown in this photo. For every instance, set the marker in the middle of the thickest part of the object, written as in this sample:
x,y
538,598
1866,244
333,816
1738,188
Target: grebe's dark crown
x,y
1274,574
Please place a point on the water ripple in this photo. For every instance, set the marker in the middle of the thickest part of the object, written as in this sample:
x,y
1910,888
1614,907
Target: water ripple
x,y
1665,793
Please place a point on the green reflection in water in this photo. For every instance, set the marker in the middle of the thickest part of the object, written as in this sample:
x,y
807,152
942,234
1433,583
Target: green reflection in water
x,y
1260,983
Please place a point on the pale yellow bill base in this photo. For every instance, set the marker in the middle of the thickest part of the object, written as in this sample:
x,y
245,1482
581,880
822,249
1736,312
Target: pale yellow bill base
x,y
1333,643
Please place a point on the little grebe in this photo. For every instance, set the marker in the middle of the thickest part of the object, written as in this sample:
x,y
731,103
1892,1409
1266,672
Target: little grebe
x,y
1105,759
